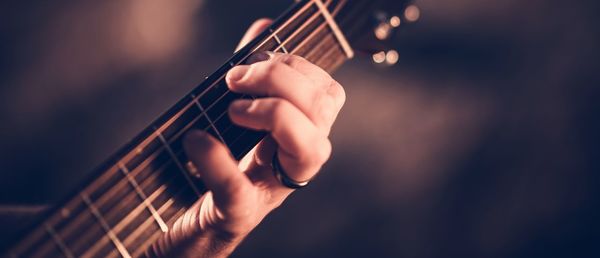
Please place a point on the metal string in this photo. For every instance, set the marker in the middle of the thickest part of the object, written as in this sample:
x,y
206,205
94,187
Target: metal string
x,y
310,37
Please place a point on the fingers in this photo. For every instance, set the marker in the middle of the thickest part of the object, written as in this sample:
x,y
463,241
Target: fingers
x,y
218,169
256,28
273,79
295,79
303,148
303,66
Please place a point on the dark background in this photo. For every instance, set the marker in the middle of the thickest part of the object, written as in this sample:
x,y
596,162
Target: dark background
x,y
481,142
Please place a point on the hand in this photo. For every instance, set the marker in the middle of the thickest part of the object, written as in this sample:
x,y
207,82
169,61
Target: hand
x,y
301,104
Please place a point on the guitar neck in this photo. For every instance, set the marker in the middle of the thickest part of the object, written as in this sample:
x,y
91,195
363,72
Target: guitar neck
x,y
145,186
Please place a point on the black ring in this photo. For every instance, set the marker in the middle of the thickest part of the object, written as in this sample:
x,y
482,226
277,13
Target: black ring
x,y
282,176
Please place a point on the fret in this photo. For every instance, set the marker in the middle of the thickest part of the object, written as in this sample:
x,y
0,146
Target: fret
x,y
49,248
142,153
326,58
159,195
120,247
310,49
147,241
176,127
180,198
304,32
289,35
112,190
141,233
280,44
332,58
334,27
58,241
151,168
210,121
44,243
81,230
178,163
134,199
170,209
142,195
123,223
282,27
212,95
220,107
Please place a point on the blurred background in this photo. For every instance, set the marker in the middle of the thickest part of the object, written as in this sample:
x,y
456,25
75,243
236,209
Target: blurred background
x,y
481,142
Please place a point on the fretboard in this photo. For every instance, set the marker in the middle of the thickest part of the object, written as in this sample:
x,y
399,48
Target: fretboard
x,y
136,195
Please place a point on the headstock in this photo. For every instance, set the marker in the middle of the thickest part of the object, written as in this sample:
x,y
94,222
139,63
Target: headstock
x,y
370,25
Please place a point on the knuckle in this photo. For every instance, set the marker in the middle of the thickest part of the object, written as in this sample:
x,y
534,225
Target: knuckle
x,y
337,91
270,68
293,61
274,111
324,152
280,108
234,187
328,110
316,154
268,71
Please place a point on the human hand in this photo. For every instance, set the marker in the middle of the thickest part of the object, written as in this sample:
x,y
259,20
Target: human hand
x,y
300,105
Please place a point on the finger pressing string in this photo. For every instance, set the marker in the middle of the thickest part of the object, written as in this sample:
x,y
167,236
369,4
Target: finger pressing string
x,y
217,168
303,147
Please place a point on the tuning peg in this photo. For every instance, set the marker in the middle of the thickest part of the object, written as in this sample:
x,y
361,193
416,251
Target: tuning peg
x,y
389,57
412,13
386,25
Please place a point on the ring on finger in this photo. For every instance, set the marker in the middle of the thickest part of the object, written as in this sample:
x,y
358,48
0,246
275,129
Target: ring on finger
x,y
283,177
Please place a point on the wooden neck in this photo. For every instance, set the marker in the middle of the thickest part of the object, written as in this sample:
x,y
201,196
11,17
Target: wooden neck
x,y
146,185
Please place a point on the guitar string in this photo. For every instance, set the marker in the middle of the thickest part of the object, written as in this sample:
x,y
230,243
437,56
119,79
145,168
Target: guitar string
x,y
147,221
196,98
298,47
320,28
175,137
222,115
68,229
289,38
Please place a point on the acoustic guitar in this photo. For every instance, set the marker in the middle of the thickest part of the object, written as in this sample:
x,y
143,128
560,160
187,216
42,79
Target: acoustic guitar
x,y
137,194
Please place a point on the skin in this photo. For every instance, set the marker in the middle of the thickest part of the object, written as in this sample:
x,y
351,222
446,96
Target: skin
x,y
302,102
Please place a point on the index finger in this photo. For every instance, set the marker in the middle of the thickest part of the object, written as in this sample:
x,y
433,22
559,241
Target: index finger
x,y
255,29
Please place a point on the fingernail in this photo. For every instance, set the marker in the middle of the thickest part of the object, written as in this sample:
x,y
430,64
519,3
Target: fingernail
x,y
240,106
237,73
259,57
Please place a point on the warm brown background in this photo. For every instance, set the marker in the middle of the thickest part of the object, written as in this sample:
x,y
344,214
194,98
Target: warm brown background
x,y
481,142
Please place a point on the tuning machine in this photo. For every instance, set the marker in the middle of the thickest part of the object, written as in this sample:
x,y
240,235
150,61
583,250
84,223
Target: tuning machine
x,y
386,25
378,44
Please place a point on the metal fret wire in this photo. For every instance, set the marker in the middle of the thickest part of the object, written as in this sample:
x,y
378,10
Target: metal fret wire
x,y
280,45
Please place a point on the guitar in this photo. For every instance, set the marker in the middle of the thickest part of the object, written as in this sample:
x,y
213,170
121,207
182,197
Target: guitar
x,y
137,194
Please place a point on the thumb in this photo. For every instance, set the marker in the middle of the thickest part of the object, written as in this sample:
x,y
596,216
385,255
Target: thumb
x,y
256,28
